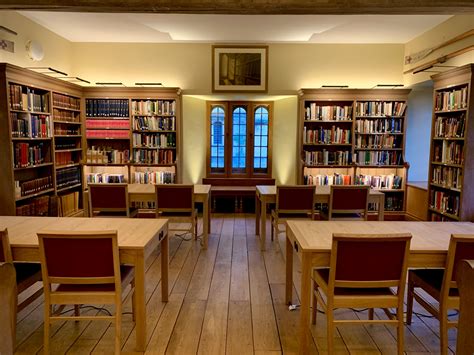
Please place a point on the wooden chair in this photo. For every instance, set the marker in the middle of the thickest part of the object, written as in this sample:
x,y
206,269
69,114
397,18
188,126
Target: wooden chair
x,y
292,201
441,285
465,280
348,203
85,266
27,274
109,200
177,201
8,300
366,271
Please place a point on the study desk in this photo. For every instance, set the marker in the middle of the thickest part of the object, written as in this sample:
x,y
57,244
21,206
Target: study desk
x,y
311,240
137,239
146,192
266,194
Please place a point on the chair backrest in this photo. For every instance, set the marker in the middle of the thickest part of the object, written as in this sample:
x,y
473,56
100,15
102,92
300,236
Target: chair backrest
x,y
369,260
8,300
108,198
90,257
174,198
295,199
461,246
5,249
348,199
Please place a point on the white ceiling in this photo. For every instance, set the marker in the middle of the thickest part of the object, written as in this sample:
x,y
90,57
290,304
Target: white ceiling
x,y
172,28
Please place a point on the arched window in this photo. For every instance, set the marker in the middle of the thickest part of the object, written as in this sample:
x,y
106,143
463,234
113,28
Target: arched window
x,y
261,125
217,153
239,139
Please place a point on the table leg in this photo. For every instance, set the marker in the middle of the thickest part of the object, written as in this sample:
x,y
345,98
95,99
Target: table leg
x,y
140,305
263,220
205,228
305,302
381,207
257,214
208,203
165,245
289,271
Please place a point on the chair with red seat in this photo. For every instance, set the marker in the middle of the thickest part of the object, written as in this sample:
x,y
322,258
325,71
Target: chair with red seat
x,y
110,200
441,285
366,271
176,201
85,269
348,203
293,202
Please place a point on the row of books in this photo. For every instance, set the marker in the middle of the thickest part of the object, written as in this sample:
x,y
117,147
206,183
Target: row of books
x,y
154,177
143,156
61,129
62,145
379,158
449,127
378,141
68,177
65,158
326,157
327,136
154,140
65,101
36,207
378,108
447,176
107,133
28,99
26,154
393,203
154,107
105,178
107,155
314,112
451,100
68,203
381,125
440,218
154,123
107,108
70,116
324,179
107,124
29,125
445,202
380,182
448,152
25,188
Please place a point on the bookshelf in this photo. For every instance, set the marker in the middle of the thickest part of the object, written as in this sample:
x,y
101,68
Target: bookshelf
x,y
40,142
132,135
451,171
355,136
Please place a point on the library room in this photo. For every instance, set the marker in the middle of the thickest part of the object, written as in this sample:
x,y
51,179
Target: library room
x,y
252,177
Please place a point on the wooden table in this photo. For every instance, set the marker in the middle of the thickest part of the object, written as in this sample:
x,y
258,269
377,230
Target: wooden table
x,y
146,192
137,239
266,194
311,240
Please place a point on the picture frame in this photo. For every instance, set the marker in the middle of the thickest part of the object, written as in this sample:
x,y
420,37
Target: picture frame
x,y
239,68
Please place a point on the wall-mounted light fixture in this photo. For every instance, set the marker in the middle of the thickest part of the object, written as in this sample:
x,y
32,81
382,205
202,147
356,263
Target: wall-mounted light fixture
x,y
47,70
148,84
383,86
75,79
110,84
335,86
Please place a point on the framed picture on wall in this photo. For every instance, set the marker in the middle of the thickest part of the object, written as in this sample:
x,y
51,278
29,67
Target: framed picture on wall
x,y
239,68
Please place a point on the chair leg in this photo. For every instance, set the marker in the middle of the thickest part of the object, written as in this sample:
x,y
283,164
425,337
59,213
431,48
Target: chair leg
x,y
400,331
371,313
47,311
330,329
443,330
133,300
314,312
77,311
410,296
196,228
273,221
118,328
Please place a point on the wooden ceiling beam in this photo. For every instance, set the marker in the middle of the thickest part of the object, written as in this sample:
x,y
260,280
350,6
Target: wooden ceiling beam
x,y
247,7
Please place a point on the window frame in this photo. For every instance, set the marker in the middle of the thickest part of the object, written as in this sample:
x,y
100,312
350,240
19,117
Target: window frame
x,y
251,107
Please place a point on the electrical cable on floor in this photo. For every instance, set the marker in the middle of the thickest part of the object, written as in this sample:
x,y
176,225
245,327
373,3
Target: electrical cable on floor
x,y
100,309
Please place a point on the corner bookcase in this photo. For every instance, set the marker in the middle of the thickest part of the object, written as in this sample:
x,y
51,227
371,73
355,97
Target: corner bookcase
x,y
41,147
355,136
451,171
132,135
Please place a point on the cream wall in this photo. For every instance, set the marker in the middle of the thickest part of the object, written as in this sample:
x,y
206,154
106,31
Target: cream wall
x,y
453,27
58,51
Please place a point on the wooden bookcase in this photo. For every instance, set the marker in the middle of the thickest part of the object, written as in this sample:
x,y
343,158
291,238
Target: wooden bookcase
x,y
132,134
355,136
451,171
40,135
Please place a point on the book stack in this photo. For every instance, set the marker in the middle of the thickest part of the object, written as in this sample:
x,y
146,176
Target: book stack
x,y
381,125
154,123
314,112
27,99
447,177
449,153
34,186
379,158
112,108
36,207
322,179
326,157
154,141
65,101
451,100
154,177
380,182
154,107
335,135
378,108
28,155
68,177
378,141
445,202
62,115
449,127
69,203
105,178
107,155
153,157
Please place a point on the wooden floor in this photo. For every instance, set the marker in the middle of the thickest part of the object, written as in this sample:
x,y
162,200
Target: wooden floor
x,y
226,300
